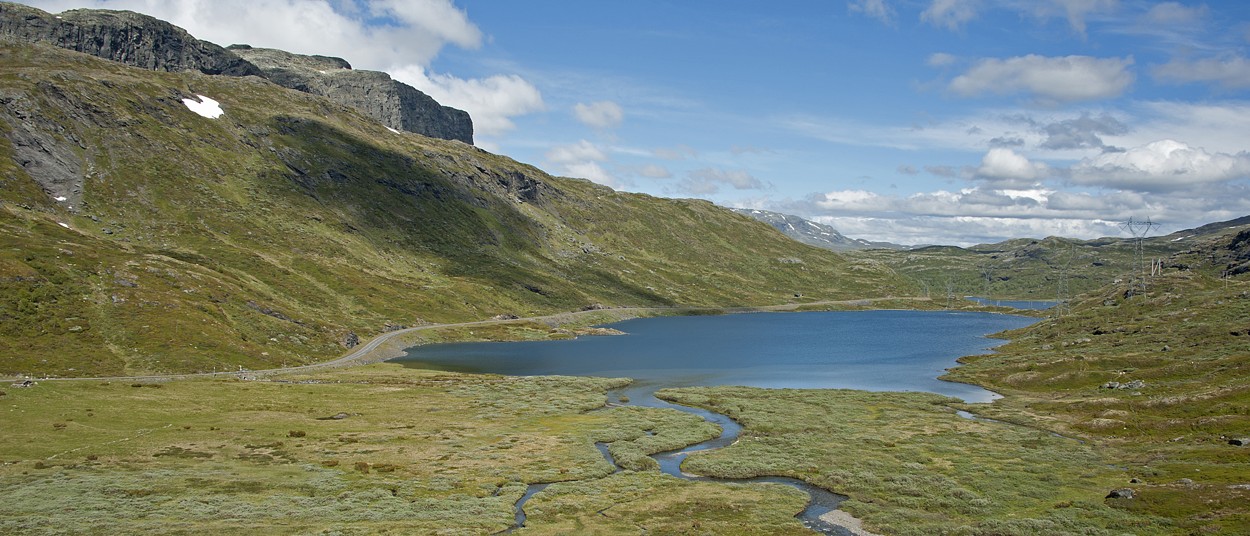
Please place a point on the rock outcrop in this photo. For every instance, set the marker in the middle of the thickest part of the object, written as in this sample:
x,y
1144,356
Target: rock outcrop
x,y
121,36
150,43
393,103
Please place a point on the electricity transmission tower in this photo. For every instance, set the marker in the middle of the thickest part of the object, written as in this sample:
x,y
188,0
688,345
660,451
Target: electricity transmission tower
x,y
1139,229
1063,295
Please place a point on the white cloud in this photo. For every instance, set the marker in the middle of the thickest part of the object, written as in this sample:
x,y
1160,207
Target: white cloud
x,y
602,114
1174,13
1231,72
941,59
577,152
876,9
1077,10
1160,166
582,160
707,181
491,101
951,14
413,34
418,32
594,172
1007,168
653,171
1062,79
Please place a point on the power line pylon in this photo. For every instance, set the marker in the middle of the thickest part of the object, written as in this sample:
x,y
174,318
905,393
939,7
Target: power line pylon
x,y
1139,229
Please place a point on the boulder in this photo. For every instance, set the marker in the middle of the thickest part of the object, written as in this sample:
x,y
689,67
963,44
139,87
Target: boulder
x,y
1122,493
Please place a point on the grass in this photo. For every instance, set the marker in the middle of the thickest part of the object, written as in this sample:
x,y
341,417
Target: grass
x,y
416,451
912,466
267,237
1183,340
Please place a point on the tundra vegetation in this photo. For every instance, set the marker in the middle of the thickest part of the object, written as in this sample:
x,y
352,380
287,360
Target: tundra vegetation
x,y
292,222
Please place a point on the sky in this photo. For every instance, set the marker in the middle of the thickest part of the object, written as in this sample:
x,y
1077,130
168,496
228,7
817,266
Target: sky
x,y
910,121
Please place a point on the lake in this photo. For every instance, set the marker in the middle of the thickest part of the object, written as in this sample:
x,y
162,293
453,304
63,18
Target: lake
x,y
867,350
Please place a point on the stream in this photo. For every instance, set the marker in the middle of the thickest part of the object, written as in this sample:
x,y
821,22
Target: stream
x,y
820,501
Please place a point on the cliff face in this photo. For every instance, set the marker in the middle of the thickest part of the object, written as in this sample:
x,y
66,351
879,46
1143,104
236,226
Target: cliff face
x,y
395,104
142,41
121,36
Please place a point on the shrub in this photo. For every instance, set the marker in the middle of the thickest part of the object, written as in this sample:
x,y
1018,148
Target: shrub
x,y
296,433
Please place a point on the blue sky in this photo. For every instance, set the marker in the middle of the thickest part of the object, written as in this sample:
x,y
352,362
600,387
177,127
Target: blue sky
x,y
925,121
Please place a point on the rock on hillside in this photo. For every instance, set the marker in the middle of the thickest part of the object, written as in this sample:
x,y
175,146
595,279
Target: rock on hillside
x,y
393,103
143,41
121,36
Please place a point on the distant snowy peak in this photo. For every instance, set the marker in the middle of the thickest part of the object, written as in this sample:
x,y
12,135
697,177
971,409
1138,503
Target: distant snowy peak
x,y
812,233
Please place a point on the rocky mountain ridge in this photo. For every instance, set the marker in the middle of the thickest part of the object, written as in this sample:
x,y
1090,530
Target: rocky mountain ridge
x,y
150,43
812,233
394,103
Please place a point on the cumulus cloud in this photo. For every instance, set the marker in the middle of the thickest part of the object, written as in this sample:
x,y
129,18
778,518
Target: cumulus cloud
x,y
1231,72
941,59
395,36
707,181
1006,168
582,160
876,9
1061,79
581,151
492,102
1082,132
951,14
602,114
1161,166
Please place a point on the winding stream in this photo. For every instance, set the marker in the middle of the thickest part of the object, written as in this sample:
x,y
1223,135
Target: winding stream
x,y
866,350
820,501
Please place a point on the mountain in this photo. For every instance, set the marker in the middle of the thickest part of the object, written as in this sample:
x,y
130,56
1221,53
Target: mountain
x,y
150,43
812,233
393,103
142,232
1054,267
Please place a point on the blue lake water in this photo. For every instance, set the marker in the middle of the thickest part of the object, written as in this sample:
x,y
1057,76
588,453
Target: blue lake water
x,y
868,350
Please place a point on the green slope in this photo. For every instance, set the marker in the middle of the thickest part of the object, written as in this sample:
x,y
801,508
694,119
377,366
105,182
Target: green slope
x,y
267,235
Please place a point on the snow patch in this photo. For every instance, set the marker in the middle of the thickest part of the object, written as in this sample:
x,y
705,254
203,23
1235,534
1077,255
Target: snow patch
x,y
1182,238
392,130
62,198
63,224
205,107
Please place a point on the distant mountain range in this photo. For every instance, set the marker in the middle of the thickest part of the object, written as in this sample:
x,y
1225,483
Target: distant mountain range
x,y
812,233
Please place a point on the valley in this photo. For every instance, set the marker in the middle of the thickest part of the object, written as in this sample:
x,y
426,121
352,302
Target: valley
x,y
196,311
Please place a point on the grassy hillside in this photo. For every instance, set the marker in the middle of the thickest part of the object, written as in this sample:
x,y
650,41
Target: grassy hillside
x,y
1048,269
268,235
1159,381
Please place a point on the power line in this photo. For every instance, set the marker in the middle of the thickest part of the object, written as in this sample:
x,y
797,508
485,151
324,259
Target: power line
x,y
1139,229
